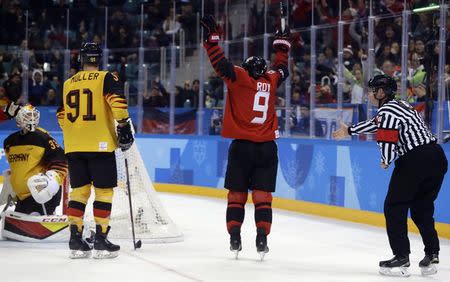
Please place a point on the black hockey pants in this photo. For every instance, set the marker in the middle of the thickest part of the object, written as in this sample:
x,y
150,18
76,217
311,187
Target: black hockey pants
x,y
414,185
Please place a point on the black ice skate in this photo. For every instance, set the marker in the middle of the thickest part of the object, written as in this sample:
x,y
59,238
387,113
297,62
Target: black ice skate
x,y
103,248
261,242
235,241
79,248
397,266
428,264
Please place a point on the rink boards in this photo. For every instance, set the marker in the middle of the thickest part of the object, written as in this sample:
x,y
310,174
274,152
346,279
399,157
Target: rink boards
x,y
335,179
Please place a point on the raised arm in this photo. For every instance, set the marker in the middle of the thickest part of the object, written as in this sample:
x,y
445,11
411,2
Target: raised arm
x,y
281,45
222,66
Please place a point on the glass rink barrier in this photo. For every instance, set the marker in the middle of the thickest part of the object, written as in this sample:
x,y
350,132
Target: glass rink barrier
x,y
157,52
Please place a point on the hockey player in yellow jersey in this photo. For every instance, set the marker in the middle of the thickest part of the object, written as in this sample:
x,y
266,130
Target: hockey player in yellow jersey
x,y
38,166
92,101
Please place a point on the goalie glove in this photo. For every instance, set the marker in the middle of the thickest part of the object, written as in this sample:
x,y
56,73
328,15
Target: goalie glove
x,y
211,31
12,109
125,135
282,40
43,186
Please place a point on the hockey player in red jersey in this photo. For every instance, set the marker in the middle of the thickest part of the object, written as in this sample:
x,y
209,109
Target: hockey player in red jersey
x,y
249,119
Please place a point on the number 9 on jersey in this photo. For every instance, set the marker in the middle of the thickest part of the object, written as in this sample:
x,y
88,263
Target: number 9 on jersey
x,y
261,107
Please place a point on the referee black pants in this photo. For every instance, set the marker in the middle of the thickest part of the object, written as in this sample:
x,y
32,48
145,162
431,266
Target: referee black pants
x,y
414,185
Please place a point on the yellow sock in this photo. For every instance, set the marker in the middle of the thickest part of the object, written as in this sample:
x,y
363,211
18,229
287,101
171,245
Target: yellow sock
x,y
77,205
102,206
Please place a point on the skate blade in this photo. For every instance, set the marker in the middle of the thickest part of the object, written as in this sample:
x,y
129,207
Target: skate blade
x,y
104,254
236,251
261,255
77,254
429,270
395,271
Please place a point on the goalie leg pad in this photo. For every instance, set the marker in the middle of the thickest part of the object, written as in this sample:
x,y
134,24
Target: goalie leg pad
x,y
263,209
102,206
235,209
77,205
28,228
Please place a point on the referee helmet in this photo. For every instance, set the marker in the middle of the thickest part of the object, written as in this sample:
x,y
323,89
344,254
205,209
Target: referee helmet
x,y
385,82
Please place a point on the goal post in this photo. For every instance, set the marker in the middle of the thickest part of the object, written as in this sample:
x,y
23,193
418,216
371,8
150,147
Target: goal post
x,y
151,222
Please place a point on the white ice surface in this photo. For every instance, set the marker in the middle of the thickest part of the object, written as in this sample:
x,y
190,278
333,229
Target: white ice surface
x,y
302,248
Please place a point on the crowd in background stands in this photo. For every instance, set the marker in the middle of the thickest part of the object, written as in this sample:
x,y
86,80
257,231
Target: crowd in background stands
x,y
422,38
47,41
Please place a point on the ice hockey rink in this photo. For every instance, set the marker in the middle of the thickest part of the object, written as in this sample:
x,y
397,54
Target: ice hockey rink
x,y
302,248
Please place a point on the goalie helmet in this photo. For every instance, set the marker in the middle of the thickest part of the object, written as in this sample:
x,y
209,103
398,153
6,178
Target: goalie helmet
x,y
255,66
27,118
90,53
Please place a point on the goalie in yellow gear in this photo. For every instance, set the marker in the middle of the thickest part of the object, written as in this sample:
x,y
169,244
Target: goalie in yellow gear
x,y
38,166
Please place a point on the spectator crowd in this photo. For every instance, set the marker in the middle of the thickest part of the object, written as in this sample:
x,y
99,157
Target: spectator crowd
x,y
48,38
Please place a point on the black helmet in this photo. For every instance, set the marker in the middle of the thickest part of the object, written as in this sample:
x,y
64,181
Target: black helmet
x,y
90,53
255,66
385,82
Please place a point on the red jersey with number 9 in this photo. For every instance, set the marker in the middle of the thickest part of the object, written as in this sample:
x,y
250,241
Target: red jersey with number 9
x,y
250,107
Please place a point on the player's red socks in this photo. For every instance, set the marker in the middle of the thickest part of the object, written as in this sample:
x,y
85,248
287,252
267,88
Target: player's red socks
x,y
263,209
235,209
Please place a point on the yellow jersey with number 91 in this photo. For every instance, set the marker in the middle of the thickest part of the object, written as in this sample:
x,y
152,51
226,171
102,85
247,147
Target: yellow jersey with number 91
x,y
91,101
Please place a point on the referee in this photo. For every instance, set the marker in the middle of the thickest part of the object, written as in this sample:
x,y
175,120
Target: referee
x,y
417,177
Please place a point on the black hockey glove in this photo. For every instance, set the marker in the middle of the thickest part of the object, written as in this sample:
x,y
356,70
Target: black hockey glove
x,y
211,31
282,40
125,136
12,109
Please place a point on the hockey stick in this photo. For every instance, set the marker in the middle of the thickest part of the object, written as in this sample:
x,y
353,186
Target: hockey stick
x,y
137,244
282,18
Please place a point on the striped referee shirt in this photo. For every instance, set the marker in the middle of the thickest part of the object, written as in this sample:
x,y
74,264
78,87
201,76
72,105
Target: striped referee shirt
x,y
399,128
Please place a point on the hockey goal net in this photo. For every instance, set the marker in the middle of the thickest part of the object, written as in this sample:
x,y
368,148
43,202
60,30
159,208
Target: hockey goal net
x,y
152,224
